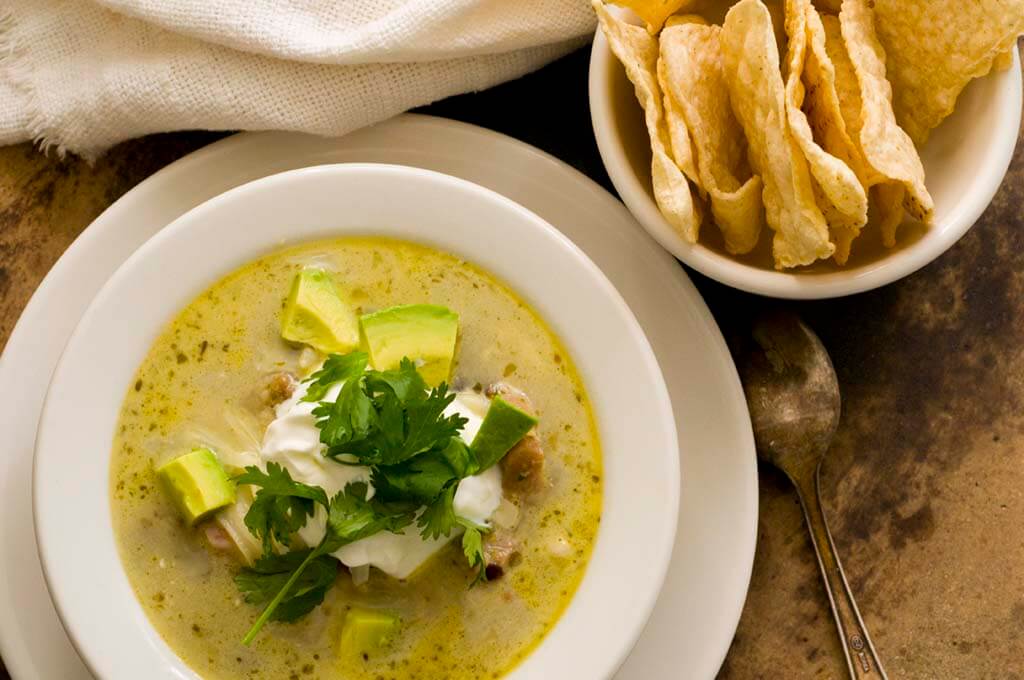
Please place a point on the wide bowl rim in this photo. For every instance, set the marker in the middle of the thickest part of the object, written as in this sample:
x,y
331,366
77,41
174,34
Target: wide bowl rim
x,y
88,638
796,285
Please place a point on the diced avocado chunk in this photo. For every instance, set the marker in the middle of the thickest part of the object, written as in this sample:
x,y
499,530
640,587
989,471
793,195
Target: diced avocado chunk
x,y
367,630
316,315
197,484
503,426
426,334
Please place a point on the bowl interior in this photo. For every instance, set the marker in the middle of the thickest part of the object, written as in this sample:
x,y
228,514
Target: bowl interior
x,y
965,160
71,477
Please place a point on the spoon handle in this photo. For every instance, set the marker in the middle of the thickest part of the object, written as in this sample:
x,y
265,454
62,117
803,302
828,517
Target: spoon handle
x,y
861,657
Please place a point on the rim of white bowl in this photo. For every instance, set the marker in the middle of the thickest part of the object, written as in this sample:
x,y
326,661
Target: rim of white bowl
x,y
65,550
940,237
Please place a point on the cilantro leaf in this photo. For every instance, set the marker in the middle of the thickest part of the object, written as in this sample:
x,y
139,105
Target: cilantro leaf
x,y
459,458
421,478
268,576
406,382
281,506
260,589
260,582
353,517
426,426
473,547
439,519
336,368
350,418
382,417
391,424
429,480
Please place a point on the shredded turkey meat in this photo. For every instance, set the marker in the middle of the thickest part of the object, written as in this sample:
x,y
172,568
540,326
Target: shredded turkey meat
x,y
280,386
500,550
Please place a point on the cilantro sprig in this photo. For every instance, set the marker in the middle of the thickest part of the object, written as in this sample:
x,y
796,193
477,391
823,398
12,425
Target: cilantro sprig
x,y
268,576
352,516
281,506
473,547
438,519
337,368
293,584
380,417
390,422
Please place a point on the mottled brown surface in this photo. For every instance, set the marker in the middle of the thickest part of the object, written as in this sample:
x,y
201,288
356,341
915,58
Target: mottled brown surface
x,y
924,483
46,202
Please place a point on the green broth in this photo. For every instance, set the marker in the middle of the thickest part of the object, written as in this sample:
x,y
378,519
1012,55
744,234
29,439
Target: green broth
x,y
200,384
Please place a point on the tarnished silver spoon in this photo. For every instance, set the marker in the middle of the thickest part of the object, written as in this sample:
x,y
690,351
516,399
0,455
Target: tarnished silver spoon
x,y
793,397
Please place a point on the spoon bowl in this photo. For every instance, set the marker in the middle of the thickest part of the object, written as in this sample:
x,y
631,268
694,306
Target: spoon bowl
x,y
792,394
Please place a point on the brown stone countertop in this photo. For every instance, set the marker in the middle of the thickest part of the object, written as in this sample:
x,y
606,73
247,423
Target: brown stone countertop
x,y
925,482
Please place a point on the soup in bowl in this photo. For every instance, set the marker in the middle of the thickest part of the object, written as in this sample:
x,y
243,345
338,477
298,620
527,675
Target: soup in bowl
x,y
356,421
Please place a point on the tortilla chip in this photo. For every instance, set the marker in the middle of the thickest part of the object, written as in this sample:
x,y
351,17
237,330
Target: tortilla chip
x,y
685,19
751,67
678,133
638,52
840,194
885,145
828,5
886,195
847,96
691,66
822,106
936,47
655,12
889,198
1004,61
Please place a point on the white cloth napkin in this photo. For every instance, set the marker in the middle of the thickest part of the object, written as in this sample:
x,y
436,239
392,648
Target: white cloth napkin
x,y
82,75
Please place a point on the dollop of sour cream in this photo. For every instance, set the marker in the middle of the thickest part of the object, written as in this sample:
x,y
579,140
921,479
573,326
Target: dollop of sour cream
x,y
293,441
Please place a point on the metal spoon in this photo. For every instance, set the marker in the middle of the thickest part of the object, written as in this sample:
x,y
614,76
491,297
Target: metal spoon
x,y
793,397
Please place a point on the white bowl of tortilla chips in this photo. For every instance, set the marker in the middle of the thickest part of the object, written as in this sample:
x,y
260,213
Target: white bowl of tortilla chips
x,y
807,150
